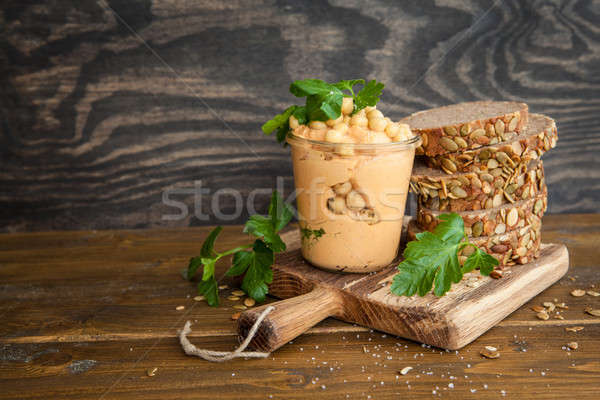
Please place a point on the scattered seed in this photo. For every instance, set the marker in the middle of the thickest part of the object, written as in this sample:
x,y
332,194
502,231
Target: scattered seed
x,y
198,298
496,274
573,345
151,371
538,309
578,293
179,308
222,287
593,293
559,317
235,316
543,315
405,370
595,313
249,302
238,293
240,307
233,298
574,328
490,353
572,278
562,306
491,348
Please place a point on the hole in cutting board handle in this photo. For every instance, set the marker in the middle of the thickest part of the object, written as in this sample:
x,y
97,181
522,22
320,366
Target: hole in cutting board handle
x,y
290,318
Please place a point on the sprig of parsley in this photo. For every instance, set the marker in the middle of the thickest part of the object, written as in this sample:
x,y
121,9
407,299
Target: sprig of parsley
x,y
432,260
323,102
254,263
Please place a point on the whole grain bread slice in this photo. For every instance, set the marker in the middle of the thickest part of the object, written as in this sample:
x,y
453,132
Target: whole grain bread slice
x,y
494,221
515,247
539,137
466,125
475,190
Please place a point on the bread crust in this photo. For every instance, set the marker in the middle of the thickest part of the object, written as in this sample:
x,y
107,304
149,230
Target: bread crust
x,y
470,134
515,247
478,189
541,135
505,218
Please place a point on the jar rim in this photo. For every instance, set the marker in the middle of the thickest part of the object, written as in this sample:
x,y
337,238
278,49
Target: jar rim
x,y
413,142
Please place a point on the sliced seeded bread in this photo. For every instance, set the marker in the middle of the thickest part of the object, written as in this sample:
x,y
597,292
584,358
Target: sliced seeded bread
x,y
466,125
494,221
476,190
539,137
515,247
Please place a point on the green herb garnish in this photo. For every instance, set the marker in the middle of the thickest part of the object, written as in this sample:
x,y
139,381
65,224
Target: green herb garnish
x,y
254,263
432,259
311,234
323,102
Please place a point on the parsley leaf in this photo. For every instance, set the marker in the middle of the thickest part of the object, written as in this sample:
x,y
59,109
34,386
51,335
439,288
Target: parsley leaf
x,y
348,85
309,87
432,260
206,252
255,264
259,273
280,212
368,95
210,291
323,102
482,260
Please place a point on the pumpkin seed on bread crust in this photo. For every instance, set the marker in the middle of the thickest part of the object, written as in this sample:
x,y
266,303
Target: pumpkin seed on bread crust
x,y
519,246
497,220
467,125
540,136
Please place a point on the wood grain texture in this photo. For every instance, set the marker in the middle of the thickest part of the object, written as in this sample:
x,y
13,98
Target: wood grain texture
x,y
108,104
86,314
449,322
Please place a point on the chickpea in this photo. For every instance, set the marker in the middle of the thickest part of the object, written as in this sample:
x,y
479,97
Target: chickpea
x,y
392,130
342,127
362,113
293,122
347,105
374,113
302,130
369,216
359,120
333,122
379,137
405,130
369,109
357,132
355,200
317,125
334,136
336,204
347,119
377,124
342,188
317,134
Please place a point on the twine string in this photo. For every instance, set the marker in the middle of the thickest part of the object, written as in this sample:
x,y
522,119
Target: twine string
x,y
220,356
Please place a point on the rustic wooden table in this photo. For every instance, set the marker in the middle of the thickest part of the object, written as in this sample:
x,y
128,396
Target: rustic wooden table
x,y
86,315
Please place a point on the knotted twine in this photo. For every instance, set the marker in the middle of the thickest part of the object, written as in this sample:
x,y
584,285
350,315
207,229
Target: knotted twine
x,y
220,356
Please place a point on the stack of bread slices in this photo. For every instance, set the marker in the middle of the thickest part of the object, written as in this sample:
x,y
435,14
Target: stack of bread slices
x,y
482,161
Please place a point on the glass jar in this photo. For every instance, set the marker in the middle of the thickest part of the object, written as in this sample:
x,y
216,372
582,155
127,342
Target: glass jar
x,y
351,200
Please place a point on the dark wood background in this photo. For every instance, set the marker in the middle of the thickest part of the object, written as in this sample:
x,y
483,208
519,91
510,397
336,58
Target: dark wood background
x,y
105,105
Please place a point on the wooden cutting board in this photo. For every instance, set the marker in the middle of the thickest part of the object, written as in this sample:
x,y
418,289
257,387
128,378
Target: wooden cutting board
x,y
448,322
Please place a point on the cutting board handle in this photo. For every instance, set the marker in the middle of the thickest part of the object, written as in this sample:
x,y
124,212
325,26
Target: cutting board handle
x,y
290,318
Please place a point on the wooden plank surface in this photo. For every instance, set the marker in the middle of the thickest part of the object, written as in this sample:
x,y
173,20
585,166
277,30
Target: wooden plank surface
x,y
448,322
108,104
85,314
